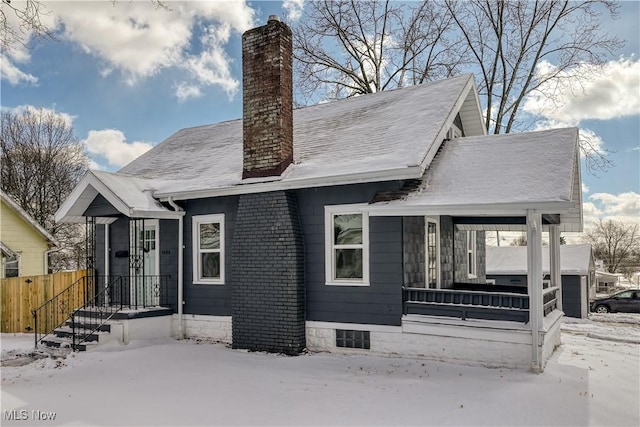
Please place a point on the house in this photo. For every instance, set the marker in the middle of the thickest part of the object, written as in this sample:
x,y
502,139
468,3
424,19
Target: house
x,y
606,282
507,266
25,244
345,226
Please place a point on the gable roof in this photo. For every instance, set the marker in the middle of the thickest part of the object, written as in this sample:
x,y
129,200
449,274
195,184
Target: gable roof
x,y
506,260
28,218
500,174
389,135
129,195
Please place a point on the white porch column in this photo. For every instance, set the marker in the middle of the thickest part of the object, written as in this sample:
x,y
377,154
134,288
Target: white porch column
x,y
555,270
534,285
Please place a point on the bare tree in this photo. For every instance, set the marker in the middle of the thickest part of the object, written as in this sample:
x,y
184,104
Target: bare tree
x,y
615,243
508,40
42,161
19,21
345,48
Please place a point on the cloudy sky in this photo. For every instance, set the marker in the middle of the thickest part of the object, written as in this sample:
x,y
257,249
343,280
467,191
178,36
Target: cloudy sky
x,y
128,75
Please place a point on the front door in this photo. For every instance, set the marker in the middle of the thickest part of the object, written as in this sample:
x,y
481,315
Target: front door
x,y
144,278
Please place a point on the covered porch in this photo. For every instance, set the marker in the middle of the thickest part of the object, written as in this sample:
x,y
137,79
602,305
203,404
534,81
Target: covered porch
x,y
539,192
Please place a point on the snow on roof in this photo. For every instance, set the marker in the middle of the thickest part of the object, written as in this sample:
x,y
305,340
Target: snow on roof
x,y
134,192
529,167
387,131
27,218
574,259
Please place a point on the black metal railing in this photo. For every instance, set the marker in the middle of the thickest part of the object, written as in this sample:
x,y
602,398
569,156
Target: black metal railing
x,y
102,295
466,304
55,312
86,321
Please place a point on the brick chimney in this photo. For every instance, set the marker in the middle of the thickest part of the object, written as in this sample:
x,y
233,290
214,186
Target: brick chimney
x,y
267,99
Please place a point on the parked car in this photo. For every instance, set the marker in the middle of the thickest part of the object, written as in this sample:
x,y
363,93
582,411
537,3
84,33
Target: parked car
x,y
624,301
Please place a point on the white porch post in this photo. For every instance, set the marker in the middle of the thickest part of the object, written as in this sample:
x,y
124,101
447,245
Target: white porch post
x,y
534,285
555,270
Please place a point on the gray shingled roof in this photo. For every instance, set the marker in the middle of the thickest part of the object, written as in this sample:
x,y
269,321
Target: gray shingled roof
x,y
367,134
528,167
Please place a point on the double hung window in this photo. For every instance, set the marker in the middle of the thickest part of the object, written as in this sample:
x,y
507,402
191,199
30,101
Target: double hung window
x,y
208,249
346,245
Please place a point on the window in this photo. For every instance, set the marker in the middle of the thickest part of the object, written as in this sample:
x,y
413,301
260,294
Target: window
x,y
12,266
353,339
208,249
432,242
346,245
471,255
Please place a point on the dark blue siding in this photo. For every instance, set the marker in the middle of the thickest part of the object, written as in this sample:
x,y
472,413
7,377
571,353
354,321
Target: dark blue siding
x,y
100,254
119,242
208,299
379,303
169,259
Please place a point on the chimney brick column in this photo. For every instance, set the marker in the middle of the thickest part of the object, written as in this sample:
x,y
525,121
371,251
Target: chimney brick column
x,y
267,99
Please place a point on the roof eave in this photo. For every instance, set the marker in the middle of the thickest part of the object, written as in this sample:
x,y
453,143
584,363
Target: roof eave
x,y
489,209
408,172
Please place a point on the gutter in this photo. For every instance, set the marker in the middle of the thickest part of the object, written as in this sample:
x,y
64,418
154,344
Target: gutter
x,y
180,332
398,174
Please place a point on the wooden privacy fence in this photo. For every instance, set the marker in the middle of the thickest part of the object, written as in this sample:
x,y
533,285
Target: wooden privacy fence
x,y
20,295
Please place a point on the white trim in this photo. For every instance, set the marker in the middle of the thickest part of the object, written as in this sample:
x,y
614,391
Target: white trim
x,y
89,187
329,212
436,221
472,249
106,250
407,172
492,209
534,286
196,220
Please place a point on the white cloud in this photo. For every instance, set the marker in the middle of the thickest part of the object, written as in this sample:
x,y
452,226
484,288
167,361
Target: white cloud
x,y
140,40
67,118
186,91
12,74
587,92
111,144
623,207
585,188
293,8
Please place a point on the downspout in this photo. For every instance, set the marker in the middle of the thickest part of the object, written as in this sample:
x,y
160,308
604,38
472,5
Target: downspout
x,y
180,331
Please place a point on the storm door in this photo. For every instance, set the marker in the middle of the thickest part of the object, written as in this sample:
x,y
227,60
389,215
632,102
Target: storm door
x,y
144,263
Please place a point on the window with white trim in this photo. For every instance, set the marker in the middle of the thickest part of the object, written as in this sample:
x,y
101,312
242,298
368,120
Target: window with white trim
x,y
346,245
11,266
471,254
432,255
208,249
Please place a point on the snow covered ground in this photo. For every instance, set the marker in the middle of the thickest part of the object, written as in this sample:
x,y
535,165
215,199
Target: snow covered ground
x,y
592,379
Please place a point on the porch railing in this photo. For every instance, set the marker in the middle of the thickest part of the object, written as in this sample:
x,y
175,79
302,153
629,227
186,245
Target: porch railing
x,y
482,304
100,308
105,293
550,299
466,304
55,312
